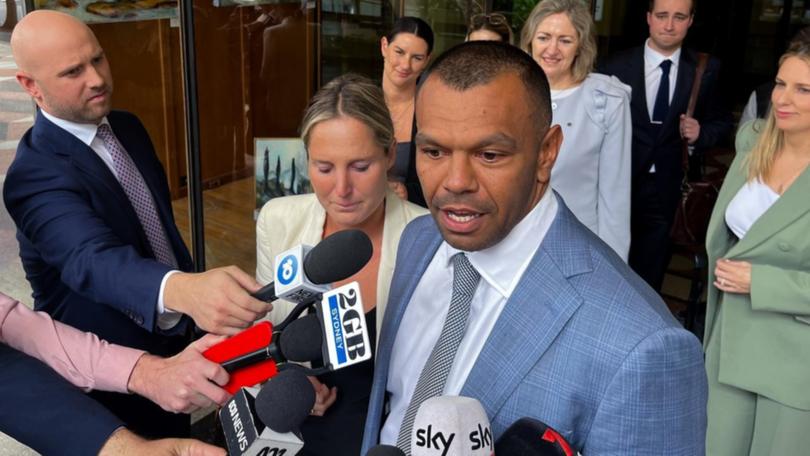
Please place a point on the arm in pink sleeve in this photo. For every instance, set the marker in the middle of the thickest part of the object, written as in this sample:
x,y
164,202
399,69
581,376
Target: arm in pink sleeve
x,y
80,357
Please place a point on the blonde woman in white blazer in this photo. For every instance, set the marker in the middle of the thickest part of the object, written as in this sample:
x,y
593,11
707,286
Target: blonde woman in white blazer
x,y
350,144
286,222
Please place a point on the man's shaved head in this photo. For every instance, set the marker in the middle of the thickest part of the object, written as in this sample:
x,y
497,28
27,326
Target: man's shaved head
x,y
62,66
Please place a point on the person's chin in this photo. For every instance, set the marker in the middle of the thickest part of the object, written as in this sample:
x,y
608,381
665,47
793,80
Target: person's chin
x,y
348,216
467,237
467,242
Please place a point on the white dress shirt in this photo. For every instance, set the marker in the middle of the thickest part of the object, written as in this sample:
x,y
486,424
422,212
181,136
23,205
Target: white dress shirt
x,y
501,268
86,133
653,73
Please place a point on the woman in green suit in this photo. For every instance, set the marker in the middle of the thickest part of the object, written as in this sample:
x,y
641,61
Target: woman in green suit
x,y
757,336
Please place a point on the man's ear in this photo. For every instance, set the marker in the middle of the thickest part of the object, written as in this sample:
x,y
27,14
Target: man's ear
x,y
28,84
549,149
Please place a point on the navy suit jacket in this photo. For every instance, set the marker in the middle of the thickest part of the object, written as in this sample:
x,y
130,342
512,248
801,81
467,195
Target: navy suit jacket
x,y
582,344
42,410
83,248
663,146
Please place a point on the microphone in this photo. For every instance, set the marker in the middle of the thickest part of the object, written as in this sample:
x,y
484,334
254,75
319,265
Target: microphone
x,y
260,423
385,450
300,341
530,437
303,273
451,426
336,334
258,353
285,401
257,337
343,322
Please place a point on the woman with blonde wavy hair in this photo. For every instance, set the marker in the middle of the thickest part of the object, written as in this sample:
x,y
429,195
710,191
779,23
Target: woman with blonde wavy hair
x,y
592,172
757,335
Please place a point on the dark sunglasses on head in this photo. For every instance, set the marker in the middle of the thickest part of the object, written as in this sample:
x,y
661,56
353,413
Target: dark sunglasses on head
x,y
492,19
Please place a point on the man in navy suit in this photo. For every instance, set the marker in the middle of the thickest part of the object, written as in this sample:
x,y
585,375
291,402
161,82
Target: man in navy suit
x,y
94,221
504,296
43,411
661,74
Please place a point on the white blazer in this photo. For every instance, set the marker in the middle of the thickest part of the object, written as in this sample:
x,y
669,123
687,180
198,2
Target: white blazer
x,y
292,220
592,171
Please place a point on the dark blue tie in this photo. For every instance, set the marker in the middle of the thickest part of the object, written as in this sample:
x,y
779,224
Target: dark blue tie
x,y
661,106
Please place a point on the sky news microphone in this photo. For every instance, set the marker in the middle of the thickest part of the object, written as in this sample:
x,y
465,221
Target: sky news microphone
x,y
451,426
530,437
385,450
303,273
272,430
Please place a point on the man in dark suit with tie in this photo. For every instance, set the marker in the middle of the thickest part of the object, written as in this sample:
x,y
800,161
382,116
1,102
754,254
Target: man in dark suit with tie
x,y
661,73
91,202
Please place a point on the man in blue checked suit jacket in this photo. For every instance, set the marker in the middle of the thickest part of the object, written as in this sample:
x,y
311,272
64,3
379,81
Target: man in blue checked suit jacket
x,y
559,328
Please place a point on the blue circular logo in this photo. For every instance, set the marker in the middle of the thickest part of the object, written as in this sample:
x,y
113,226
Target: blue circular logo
x,y
287,270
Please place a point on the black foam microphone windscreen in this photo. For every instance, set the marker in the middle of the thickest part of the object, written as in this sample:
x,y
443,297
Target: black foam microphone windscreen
x,y
531,437
338,256
285,401
385,450
302,339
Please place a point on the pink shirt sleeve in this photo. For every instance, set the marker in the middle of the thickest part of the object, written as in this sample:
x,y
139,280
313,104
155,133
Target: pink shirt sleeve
x,y
80,357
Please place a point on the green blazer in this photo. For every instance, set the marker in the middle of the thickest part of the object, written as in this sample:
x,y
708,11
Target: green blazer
x,y
764,337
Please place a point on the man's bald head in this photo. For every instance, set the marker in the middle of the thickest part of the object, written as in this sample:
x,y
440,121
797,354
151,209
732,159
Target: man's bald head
x,y
42,30
62,66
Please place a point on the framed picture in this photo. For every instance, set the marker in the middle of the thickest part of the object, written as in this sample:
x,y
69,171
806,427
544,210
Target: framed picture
x,y
101,11
281,168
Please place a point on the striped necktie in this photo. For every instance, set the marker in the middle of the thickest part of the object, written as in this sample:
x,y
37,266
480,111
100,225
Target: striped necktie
x,y
434,375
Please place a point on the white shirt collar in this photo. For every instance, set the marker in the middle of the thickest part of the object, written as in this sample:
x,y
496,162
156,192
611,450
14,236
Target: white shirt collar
x,y
653,58
502,265
84,132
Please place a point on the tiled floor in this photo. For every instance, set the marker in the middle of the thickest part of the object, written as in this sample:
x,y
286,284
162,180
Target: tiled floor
x,y
16,116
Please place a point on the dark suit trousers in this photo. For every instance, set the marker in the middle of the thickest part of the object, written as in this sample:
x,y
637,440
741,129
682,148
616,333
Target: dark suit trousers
x,y
650,222
42,410
144,417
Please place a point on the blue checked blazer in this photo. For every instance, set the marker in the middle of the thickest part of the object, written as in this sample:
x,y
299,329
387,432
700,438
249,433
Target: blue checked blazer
x,y
582,345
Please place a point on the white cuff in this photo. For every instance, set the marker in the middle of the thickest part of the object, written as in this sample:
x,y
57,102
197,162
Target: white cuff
x,y
167,318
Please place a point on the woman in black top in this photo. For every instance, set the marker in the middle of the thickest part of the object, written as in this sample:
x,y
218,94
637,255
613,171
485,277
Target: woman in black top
x,y
405,51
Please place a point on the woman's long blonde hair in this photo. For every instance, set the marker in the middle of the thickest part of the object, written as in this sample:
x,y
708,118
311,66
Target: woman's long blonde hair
x,y
772,139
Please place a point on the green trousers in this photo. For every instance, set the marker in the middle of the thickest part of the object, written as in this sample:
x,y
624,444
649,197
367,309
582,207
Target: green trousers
x,y
743,423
